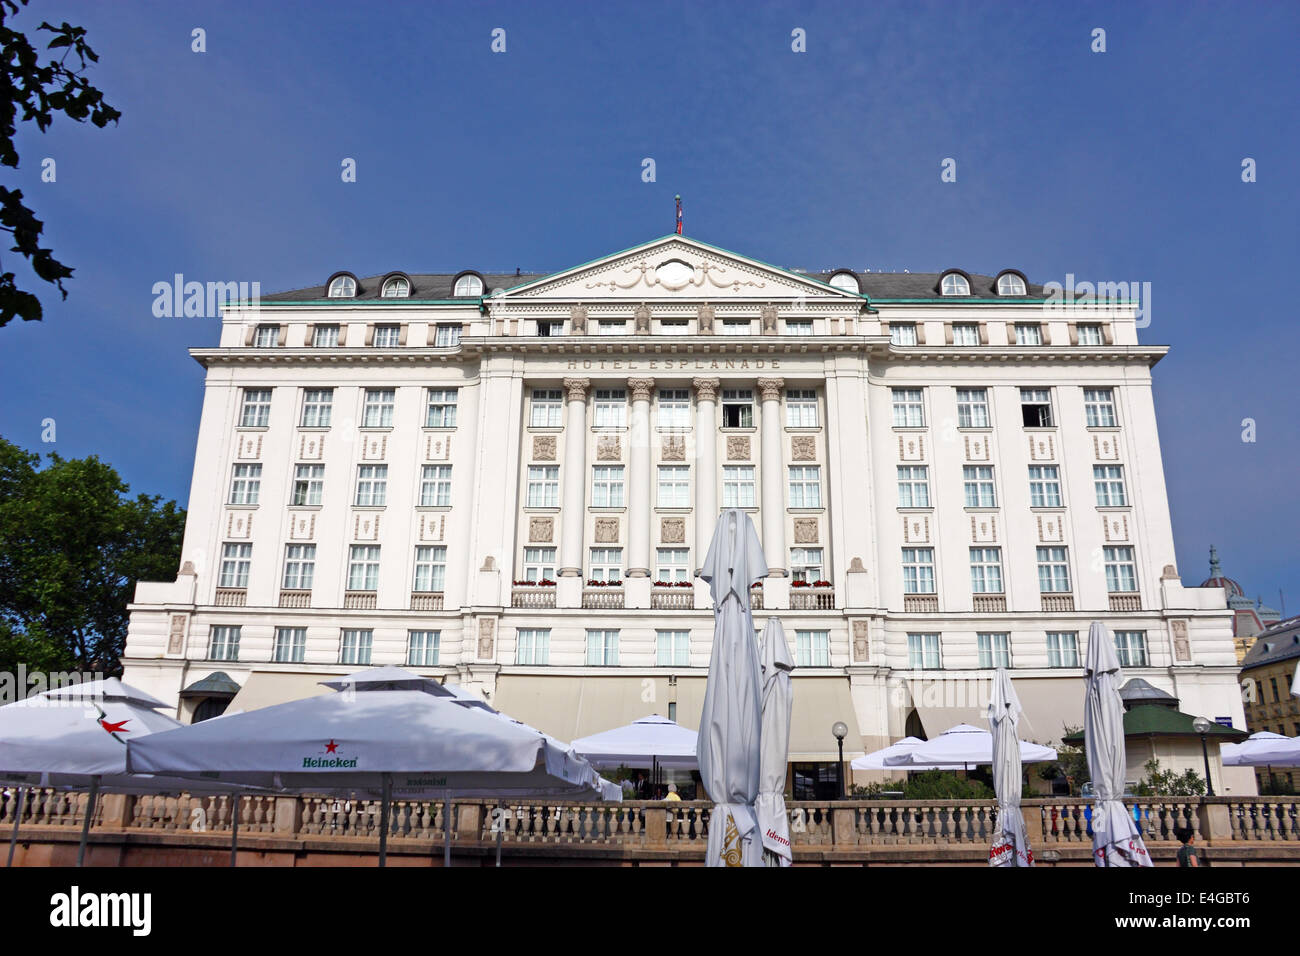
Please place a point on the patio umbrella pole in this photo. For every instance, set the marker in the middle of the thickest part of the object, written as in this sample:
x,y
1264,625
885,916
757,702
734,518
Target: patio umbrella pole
x,y
446,830
234,825
18,815
90,813
383,818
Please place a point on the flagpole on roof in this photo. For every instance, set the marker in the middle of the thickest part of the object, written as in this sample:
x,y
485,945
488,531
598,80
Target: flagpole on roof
x,y
679,214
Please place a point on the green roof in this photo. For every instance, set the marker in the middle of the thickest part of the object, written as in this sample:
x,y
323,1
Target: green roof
x,y
216,684
1145,720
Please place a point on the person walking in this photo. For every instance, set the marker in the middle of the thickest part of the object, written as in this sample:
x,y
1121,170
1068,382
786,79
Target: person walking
x,y
1187,855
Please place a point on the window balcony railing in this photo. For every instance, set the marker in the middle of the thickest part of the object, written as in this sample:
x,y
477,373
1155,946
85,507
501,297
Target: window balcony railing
x,y
231,597
360,600
1057,602
603,598
426,601
920,603
990,603
295,598
1126,602
812,599
532,596
673,599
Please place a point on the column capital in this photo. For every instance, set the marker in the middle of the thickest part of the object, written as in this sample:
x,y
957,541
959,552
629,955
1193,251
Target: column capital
x,y
706,389
770,389
641,388
577,388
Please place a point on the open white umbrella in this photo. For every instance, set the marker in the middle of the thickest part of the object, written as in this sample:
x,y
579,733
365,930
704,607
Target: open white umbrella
x,y
1010,843
647,742
1263,749
962,746
778,699
901,753
1115,837
730,723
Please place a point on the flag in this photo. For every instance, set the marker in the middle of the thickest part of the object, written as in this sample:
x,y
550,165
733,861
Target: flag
x,y
679,215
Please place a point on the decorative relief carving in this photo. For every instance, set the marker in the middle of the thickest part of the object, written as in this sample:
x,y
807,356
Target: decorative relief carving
x,y
704,316
1182,646
672,530
437,447
365,527
1050,530
706,389
239,524
543,448
856,565
486,637
769,389
302,527
684,276
767,317
674,448
911,447
606,530
737,448
176,634
578,324
576,388
1105,447
641,319
1042,447
311,447
916,529
803,448
805,531
433,527
541,529
1115,526
861,646
608,448
984,529
250,446
977,447
374,447
641,389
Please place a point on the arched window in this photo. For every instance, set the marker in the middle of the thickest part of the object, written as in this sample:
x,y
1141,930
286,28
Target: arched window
x,y
954,283
342,287
846,281
1010,284
396,288
468,285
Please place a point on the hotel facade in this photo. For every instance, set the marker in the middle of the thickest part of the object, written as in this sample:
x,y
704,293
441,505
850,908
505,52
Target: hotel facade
x,y
509,482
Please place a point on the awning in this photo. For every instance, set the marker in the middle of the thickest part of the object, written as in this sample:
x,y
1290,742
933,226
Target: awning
x,y
216,684
264,688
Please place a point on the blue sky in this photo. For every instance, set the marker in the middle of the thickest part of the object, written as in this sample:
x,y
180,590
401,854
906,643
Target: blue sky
x,y
1123,165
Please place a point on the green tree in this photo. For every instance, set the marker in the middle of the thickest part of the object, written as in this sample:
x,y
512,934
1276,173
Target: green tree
x,y
1168,783
72,545
928,785
1071,763
41,91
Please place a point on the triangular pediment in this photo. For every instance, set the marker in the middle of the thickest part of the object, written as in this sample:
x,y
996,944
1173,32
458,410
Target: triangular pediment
x,y
675,268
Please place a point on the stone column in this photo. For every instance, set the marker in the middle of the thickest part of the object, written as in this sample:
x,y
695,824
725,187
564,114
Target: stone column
x,y
773,481
706,465
639,484
574,510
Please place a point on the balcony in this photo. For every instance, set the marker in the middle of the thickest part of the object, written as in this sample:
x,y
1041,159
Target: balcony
x,y
603,598
921,603
231,597
812,599
1126,602
1055,603
295,599
426,601
990,603
360,600
532,596
672,599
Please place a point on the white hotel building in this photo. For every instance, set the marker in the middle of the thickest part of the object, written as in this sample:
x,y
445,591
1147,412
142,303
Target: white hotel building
x,y
509,482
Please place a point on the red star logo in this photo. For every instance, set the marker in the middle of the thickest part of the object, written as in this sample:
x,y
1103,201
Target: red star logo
x,y
331,747
115,728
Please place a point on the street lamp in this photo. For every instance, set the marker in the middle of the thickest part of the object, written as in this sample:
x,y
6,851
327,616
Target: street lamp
x,y
840,730
1202,726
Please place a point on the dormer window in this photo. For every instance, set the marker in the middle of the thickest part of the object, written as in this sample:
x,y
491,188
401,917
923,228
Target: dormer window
x,y
468,285
1011,284
845,281
342,287
398,287
954,283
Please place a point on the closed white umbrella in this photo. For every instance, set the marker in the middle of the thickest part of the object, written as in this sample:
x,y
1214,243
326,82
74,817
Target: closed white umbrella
x,y
1263,749
730,724
1115,837
964,745
901,753
778,699
1010,843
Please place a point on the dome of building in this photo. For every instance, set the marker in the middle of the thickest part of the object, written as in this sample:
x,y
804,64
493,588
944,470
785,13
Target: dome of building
x,y
1217,580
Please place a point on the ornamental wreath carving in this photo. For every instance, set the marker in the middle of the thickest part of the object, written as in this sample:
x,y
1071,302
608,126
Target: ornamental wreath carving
x,y
608,448
805,531
672,530
674,448
607,530
737,448
543,448
541,529
803,448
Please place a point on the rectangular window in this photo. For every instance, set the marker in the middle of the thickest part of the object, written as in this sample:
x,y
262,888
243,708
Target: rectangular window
x,y
923,652
1090,334
737,408
308,484
735,326
1053,570
902,333
547,408
266,336
994,649
1099,407
539,564
607,486
447,336
1109,482
533,646
607,565
978,482
965,333
1121,570
672,648
674,409
387,336
986,570
800,408
256,409
544,485
1029,333
672,565
440,408
245,483
674,326
674,486
1044,486
325,336
918,571
972,408
378,410
602,648
224,644
611,408
363,567
798,327
235,559
317,404
299,566
812,648
738,486
805,486
913,486
1036,407
430,568
806,565
290,645
435,486
611,327
355,646
908,409
422,648
372,485
1131,646
1062,649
